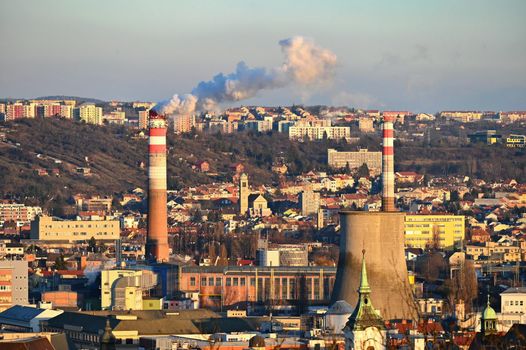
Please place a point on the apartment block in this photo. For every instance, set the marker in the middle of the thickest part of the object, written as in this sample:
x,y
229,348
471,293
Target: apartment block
x,y
19,213
88,113
319,132
444,231
356,159
183,123
13,283
310,202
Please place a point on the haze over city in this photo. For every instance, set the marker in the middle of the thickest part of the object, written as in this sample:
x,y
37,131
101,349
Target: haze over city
x,y
262,175
416,55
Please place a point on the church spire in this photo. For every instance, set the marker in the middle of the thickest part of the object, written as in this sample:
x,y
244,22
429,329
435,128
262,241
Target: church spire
x,y
364,283
107,341
364,314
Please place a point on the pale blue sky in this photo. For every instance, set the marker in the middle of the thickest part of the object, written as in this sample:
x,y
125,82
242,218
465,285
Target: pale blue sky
x,y
417,55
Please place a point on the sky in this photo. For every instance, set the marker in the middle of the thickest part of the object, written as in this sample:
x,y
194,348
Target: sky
x,y
422,56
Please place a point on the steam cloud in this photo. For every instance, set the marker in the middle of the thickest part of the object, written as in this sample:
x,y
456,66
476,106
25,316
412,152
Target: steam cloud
x,y
305,64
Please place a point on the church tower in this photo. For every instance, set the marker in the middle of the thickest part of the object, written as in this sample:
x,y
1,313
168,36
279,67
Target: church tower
x,y
488,320
365,329
107,340
243,194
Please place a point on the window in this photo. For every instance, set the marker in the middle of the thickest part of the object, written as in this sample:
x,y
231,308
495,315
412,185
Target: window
x,y
192,281
210,281
236,281
228,281
203,281
252,281
242,282
218,281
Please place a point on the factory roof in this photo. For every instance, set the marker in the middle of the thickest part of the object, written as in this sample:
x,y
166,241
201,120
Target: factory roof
x,y
19,313
154,322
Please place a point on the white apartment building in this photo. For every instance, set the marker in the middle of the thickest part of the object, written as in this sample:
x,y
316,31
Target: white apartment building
x,y
319,132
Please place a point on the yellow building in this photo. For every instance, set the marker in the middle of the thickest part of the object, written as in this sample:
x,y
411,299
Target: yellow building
x,y
152,303
89,113
516,141
494,252
45,228
123,289
462,116
444,231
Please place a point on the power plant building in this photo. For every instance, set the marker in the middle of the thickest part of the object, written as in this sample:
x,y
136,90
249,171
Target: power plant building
x,y
239,286
284,255
124,289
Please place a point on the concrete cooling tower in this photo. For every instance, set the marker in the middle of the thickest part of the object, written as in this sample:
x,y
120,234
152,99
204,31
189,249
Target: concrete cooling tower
x,y
381,234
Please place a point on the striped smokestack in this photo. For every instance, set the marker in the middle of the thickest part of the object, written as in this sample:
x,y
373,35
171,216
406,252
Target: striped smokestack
x,y
157,239
388,198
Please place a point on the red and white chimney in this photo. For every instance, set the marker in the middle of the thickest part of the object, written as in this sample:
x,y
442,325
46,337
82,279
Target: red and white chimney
x,y
388,197
157,238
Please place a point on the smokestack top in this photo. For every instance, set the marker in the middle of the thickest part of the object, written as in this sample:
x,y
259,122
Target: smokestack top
x,y
155,115
389,118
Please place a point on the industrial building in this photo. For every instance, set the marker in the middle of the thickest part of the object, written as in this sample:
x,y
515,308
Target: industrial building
x,y
283,255
46,228
124,289
250,286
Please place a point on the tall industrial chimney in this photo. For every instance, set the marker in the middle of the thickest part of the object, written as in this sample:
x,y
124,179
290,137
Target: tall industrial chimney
x,y
388,198
157,239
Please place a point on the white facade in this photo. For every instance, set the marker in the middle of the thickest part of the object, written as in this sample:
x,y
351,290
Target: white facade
x,y
319,132
513,300
370,338
268,257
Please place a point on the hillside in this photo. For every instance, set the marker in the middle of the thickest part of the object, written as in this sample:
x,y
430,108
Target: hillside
x,y
114,156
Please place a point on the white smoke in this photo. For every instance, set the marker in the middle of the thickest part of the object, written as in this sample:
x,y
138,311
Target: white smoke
x,y
178,104
305,64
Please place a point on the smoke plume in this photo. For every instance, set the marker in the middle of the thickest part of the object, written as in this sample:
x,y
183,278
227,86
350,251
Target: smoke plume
x,y
305,64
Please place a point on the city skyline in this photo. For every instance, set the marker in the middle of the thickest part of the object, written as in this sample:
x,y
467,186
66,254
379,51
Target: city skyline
x,y
389,57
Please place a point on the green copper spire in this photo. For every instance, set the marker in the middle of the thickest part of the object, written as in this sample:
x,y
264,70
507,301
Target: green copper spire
x,y
364,283
364,314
